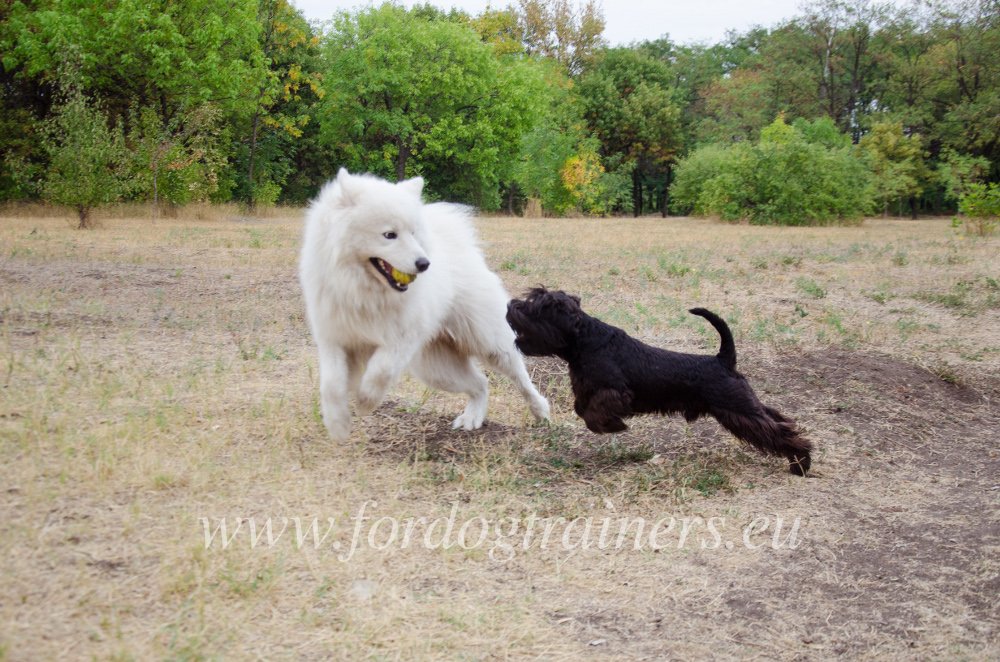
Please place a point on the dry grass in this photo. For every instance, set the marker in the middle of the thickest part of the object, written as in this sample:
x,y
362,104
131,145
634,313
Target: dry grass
x,y
154,374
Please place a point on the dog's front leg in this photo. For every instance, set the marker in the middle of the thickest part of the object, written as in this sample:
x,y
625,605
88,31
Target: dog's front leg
x,y
333,390
384,368
604,410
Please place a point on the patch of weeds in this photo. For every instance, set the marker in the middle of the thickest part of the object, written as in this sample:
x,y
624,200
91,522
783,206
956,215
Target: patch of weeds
x,y
516,263
907,327
761,331
693,474
901,259
836,322
880,296
646,314
674,269
946,373
163,481
252,583
615,453
974,357
647,272
256,239
272,354
791,260
557,449
614,271
710,481
810,287
958,298
759,263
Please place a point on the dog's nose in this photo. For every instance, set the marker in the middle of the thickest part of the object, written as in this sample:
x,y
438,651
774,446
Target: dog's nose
x,y
422,264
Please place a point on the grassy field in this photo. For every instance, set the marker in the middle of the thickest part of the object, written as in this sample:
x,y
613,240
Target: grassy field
x,y
158,378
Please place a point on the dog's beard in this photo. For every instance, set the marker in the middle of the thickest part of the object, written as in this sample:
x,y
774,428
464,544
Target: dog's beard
x,y
398,280
533,338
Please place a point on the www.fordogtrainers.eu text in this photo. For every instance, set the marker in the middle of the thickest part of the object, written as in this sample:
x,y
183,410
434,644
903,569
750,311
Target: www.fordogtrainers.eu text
x,y
501,538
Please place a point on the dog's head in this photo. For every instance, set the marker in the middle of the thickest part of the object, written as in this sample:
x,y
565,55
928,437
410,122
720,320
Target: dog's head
x,y
383,226
546,322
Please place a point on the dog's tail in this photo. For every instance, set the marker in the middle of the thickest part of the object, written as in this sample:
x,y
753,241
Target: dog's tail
x,y
727,350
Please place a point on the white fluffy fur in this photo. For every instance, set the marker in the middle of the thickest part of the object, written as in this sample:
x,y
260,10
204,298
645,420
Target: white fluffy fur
x,y
368,333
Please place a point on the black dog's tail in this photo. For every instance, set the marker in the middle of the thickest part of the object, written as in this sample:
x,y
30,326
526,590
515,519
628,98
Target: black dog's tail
x,y
727,350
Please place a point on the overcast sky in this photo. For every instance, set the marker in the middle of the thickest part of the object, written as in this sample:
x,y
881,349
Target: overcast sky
x,y
628,20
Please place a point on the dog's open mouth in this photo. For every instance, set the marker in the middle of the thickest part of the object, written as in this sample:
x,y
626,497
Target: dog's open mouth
x,y
397,279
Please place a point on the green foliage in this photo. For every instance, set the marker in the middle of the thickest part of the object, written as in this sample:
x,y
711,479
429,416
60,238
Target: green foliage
x,y
286,101
87,158
407,95
221,99
630,106
896,161
180,54
180,162
956,172
783,179
981,206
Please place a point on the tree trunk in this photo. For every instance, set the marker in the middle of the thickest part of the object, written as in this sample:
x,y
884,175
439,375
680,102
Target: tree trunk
x,y
666,193
253,149
404,154
84,214
636,193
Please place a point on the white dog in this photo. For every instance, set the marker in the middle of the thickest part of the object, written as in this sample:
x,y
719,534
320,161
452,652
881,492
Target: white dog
x,y
393,284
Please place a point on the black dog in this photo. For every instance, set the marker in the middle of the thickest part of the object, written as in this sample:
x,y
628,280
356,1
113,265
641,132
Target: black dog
x,y
615,376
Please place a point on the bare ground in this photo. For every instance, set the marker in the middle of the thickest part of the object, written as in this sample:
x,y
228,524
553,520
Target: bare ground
x,y
156,374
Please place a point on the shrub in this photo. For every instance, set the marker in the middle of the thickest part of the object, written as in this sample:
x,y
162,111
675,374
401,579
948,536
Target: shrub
x,y
980,205
783,179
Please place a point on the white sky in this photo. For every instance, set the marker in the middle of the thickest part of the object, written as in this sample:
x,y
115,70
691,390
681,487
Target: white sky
x,y
626,21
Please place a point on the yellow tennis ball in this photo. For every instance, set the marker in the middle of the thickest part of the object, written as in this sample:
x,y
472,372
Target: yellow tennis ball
x,y
402,278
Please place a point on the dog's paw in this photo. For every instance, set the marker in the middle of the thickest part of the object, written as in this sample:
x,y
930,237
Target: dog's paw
x,y
468,421
338,428
540,410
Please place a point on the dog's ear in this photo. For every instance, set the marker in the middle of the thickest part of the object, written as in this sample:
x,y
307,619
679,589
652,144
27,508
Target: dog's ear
x,y
414,186
350,188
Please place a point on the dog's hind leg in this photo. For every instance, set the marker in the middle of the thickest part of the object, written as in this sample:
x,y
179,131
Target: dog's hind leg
x,y
771,433
442,366
508,362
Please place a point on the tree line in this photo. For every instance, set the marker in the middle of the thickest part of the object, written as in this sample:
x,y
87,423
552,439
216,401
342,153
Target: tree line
x,y
848,109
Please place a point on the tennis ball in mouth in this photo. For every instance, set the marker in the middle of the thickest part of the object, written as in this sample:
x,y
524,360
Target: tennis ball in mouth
x,y
403,278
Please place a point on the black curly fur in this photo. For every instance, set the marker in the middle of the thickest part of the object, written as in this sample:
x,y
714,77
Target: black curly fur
x,y
614,376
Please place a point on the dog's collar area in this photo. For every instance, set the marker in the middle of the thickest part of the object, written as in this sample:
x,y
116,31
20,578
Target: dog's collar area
x,y
398,280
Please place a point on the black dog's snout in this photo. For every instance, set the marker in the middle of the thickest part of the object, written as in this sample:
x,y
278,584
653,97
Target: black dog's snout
x,y
422,264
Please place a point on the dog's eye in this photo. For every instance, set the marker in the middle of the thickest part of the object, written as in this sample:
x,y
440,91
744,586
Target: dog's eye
x,y
389,235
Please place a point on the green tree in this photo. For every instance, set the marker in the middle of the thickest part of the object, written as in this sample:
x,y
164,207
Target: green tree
x,y
285,101
406,95
179,162
87,158
631,108
969,39
556,29
897,163
135,53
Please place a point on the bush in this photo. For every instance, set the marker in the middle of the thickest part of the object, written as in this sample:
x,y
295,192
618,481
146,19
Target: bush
x,y
980,205
783,179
